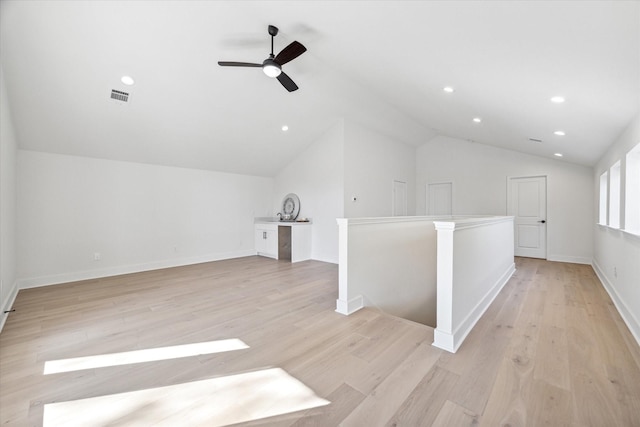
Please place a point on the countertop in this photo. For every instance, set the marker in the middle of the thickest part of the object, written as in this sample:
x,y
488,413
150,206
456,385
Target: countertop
x,y
276,221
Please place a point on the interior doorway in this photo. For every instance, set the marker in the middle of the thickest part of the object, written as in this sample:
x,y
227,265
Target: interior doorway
x,y
527,203
399,207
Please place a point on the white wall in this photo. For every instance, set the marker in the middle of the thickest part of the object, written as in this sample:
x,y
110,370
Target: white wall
x,y
317,177
479,175
372,162
136,216
349,160
389,264
8,147
616,253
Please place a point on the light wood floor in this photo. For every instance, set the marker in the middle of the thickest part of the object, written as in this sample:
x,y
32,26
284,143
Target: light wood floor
x,y
551,350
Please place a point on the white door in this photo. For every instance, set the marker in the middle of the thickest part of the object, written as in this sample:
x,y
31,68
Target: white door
x,y
439,197
399,198
527,202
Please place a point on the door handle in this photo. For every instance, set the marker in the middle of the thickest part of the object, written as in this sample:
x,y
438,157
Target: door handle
x,y
542,222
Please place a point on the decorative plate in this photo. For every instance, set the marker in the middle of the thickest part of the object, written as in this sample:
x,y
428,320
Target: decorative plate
x,y
290,206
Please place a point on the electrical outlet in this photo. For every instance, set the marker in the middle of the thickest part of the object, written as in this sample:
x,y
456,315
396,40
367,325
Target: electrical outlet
x,y
96,256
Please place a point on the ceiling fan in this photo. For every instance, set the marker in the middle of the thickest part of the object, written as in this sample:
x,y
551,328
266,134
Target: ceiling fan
x,y
272,66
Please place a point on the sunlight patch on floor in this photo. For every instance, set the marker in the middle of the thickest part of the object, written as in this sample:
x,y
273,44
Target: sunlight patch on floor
x,y
213,402
141,356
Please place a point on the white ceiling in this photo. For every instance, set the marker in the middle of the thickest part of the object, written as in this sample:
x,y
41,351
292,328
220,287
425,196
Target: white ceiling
x,y
381,63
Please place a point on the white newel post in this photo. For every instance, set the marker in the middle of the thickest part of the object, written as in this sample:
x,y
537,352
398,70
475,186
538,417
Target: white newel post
x,y
344,305
443,334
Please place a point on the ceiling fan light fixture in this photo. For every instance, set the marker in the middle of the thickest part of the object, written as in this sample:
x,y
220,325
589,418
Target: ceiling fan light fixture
x,y
271,69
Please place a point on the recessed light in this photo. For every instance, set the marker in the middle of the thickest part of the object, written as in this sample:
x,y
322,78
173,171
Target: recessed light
x,y
128,80
559,133
477,119
557,99
448,89
558,154
285,128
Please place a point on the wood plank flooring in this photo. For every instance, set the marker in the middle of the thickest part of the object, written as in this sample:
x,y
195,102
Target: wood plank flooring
x,y
551,350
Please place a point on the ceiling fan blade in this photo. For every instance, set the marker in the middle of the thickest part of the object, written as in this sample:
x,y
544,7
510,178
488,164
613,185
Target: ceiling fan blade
x,y
290,53
287,82
238,64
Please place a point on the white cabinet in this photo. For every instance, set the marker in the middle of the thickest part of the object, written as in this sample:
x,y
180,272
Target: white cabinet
x,y
266,240
294,243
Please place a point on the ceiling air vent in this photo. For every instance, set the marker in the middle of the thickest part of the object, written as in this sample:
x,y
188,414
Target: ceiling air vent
x,y
118,95
535,140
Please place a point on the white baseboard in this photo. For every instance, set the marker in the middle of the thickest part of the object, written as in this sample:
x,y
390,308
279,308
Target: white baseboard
x,y
316,257
444,341
569,259
451,342
349,307
626,314
7,304
57,279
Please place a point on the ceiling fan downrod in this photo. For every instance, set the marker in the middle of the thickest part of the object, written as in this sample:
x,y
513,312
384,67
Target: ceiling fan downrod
x,y
273,31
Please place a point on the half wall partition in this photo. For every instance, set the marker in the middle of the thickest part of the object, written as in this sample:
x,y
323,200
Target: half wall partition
x,y
443,272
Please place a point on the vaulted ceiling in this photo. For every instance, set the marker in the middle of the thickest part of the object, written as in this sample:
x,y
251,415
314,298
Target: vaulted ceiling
x,y
381,63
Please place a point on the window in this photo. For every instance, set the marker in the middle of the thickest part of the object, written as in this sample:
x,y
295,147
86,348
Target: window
x,y
602,217
632,192
614,195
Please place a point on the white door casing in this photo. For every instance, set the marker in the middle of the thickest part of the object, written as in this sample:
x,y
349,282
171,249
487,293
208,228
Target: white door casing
x,y
399,198
527,203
